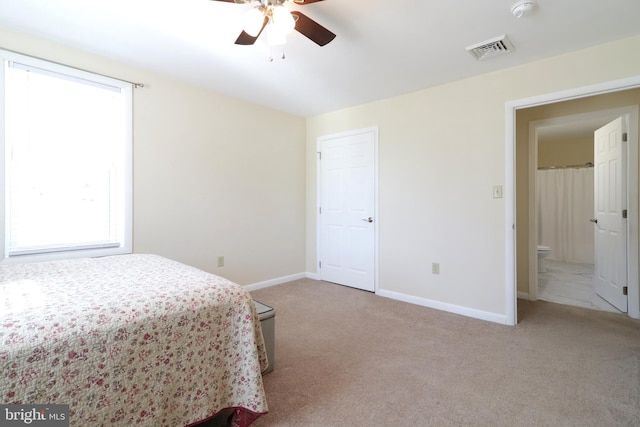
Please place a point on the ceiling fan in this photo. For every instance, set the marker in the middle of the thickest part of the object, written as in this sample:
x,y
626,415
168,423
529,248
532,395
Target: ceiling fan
x,y
278,21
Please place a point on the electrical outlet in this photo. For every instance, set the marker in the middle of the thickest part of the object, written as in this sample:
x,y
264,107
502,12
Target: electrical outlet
x,y
435,268
220,261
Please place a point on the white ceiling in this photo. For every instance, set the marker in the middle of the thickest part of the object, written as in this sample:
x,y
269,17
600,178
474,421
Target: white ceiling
x,y
383,48
577,129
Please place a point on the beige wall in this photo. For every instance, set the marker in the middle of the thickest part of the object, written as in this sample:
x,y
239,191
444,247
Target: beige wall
x,y
213,176
565,152
441,151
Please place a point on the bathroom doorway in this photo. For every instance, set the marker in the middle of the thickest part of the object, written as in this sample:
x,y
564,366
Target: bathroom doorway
x,y
561,158
564,203
520,191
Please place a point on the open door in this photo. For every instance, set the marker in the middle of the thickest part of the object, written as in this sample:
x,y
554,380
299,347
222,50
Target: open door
x,y
610,209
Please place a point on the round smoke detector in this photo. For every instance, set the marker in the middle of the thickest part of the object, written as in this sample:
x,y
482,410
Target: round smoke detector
x,y
522,8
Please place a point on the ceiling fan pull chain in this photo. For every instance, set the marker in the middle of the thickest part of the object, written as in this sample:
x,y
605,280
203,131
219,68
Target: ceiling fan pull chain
x,y
271,54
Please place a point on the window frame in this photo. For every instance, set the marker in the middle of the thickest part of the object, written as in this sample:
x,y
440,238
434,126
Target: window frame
x,y
123,247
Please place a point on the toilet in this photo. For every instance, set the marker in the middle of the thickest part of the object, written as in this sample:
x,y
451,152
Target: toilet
x,y
543,252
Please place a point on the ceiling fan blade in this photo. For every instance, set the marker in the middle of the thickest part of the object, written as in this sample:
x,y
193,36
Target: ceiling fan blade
x,y
245,39
311,29
301,2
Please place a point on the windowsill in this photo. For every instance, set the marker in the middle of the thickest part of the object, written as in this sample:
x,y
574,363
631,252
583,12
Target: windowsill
x,y
52,256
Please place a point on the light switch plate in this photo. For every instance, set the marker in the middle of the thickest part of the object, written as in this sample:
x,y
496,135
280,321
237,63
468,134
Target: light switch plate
x,y
497,191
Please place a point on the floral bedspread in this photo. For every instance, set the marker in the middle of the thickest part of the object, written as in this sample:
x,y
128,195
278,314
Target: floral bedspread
x,y
129,340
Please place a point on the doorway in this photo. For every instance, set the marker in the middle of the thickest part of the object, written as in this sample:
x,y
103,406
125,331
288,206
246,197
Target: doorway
x,y
569,282
576,267
519,248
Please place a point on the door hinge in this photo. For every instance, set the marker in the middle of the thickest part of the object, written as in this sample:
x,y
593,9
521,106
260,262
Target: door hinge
x,y
320,155
624,213
319,264
624,137
320,210
625,290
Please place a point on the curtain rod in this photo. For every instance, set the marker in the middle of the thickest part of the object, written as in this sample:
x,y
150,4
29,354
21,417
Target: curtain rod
x,y
586,165
136,85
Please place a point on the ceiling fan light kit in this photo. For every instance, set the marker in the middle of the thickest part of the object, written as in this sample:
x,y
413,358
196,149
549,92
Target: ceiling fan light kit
x,y
283,19
277,21
253,21
275,36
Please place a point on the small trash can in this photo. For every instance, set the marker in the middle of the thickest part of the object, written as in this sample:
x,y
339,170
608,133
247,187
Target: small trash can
x,y
267,317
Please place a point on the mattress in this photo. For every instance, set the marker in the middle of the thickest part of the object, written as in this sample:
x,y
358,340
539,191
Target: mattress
x,y
130,340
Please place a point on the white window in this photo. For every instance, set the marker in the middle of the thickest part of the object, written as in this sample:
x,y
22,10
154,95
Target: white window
x,y
67,161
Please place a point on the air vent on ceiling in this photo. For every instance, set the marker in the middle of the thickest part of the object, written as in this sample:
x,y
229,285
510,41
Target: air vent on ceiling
x,y
487,49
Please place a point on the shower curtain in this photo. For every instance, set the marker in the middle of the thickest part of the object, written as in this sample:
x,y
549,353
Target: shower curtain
x,y
565,206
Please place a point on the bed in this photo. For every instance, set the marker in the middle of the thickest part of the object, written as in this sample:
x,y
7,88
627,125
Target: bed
x,y
130,340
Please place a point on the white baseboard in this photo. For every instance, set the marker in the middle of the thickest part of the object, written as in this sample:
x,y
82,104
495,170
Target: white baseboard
x,y
274,282
523,295
451,308
314,276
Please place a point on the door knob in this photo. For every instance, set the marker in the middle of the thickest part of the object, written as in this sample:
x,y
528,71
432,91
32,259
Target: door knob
x,y
367,219
595,221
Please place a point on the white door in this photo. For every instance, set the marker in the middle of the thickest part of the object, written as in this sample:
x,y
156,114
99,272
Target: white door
x,y
347,209
610,198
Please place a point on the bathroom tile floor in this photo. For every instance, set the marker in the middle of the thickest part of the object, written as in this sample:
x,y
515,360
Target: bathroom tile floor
x,y
571,284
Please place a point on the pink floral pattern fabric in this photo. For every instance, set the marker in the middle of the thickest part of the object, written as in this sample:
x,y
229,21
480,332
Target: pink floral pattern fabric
x,y
129,340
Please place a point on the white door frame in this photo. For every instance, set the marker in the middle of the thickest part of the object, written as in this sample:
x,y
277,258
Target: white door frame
x,y
511,107
376,214
606,116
